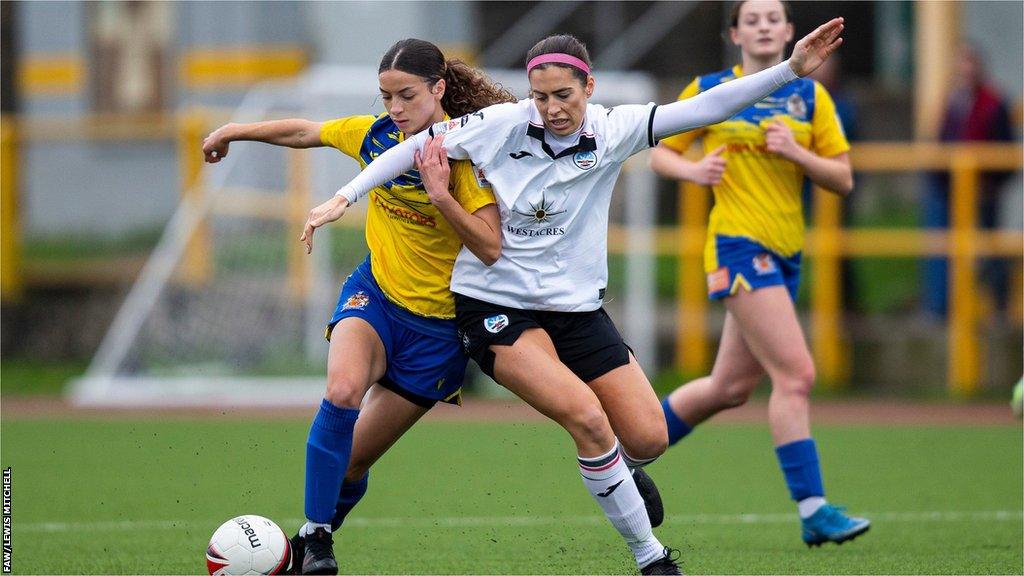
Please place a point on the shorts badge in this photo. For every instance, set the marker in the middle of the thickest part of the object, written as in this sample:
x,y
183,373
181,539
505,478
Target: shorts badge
x,y
718,280
496,324
357,301
764,264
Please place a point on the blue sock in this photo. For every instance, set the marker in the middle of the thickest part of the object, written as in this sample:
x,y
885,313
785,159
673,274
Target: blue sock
x,y
327,452
677,429
799,463
351,494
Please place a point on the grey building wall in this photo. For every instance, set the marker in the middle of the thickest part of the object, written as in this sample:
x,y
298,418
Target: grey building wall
x,y
78,186
360,32
996,27
53,27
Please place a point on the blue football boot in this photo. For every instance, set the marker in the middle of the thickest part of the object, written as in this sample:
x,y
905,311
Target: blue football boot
x,y
830,524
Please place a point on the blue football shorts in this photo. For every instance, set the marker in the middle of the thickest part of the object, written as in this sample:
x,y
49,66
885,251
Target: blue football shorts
x,y
425,360
745,264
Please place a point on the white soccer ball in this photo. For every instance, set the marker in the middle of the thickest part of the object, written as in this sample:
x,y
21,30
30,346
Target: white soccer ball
x,y
248,544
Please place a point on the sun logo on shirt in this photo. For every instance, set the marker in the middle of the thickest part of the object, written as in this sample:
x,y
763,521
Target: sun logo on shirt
x,y
540,212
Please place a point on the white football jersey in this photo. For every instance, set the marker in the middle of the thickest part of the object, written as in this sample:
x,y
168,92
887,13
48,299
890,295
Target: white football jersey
x,y
553,206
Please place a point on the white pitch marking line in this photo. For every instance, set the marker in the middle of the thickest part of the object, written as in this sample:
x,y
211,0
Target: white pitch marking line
x,y
500,521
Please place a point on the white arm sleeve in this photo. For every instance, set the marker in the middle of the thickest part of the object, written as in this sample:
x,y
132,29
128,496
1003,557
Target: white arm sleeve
x,y
392,163
719,103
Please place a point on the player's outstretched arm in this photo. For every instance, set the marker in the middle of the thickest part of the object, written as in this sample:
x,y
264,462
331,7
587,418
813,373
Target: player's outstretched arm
x,y
325,213
812,50
721,102
395,161
293,133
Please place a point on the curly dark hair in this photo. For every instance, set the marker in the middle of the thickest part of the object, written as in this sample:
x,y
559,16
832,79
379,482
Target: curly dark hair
x,y
467,89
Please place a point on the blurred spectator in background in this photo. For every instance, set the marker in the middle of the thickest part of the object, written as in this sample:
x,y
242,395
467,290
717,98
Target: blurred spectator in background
x,y
830,75
974,112
131,41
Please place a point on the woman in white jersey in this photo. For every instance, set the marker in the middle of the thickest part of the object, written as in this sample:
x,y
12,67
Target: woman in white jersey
x,y
533,319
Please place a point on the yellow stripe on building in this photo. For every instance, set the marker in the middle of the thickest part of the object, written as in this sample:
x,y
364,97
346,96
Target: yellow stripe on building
x,y
51,74
213,68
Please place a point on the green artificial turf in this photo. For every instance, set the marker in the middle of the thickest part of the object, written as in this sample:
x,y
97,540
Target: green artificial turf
x,y
142,497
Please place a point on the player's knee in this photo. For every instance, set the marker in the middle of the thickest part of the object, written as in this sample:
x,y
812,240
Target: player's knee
x,y
344,391
589,424
800,380
737,393
649,442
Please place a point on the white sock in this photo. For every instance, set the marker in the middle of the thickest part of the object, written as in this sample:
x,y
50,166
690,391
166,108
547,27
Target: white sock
x,y
610,483
309,527
808,506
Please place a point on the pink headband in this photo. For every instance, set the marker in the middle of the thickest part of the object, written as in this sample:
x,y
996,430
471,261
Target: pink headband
x,y
557,58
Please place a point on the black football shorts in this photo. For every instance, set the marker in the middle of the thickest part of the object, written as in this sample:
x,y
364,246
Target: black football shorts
x,y
587,342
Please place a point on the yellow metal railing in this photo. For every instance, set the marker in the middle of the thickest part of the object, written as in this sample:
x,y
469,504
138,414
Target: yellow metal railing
x,y
197,266
187,130
11,281
828,243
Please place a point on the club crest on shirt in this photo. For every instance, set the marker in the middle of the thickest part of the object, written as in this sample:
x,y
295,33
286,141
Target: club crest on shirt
x,y
796,107
764,264
496,324
357,301
584,160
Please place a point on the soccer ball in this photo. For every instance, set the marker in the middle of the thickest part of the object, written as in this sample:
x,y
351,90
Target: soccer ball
x,y
248,545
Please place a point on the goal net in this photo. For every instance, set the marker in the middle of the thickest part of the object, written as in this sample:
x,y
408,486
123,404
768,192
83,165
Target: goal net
x,y
230,311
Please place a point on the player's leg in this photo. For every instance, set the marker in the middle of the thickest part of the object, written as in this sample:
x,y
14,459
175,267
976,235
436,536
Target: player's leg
x,y
422,370
733,378
768,321
633,411
635,416
530,368
383,419
356,359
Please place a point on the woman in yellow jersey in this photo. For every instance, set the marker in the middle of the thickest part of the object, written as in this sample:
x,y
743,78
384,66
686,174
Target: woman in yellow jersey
x,y
394,335
756,163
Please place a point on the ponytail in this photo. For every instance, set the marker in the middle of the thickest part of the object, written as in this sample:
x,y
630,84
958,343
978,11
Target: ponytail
x,y
467,90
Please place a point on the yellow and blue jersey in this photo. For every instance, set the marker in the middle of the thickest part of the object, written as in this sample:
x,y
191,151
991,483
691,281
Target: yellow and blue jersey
x,y
412,246
759,197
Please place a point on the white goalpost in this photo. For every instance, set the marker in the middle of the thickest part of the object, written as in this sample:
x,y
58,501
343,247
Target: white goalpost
x,y
230,311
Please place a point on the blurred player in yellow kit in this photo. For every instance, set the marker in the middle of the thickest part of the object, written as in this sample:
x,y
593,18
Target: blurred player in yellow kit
x,y
756,163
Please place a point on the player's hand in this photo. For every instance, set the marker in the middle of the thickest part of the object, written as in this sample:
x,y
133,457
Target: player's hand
x,y
327,212
813,49
432,163
710,168
778,139
215,146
